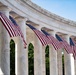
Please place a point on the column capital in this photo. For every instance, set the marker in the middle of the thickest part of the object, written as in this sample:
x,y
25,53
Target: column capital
x,y
20,18
4,8
66,37
38,27
53,33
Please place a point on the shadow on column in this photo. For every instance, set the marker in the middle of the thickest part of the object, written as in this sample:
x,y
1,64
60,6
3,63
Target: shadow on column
x,y
31,59
47,60
12,57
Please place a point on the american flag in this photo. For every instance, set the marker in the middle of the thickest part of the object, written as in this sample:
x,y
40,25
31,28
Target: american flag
x,y
56,44
66,46
12,27
40,35
73,45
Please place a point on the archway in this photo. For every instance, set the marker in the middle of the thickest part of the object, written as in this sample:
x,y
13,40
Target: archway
x,y
31,59
47,60
12,57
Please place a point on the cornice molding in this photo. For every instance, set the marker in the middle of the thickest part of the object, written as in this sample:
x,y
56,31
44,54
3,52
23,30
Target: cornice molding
x,y
49,14
40,16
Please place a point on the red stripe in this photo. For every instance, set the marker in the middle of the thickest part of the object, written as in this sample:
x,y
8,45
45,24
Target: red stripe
x,y
66,46
56,44
6,27
9,24
74,48
12,29
44,40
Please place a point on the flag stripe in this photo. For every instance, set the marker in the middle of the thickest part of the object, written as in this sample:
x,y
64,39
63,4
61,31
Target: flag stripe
x,y
40,35
8,25
18,30
56,44
64,43
13,30
73,45
5,25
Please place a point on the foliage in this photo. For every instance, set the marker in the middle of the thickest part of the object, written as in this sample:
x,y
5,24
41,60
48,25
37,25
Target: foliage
x,y
12,57
47,60
63,64
30,58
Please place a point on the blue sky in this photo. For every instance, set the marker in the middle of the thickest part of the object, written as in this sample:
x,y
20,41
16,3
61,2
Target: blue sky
x,y
64,8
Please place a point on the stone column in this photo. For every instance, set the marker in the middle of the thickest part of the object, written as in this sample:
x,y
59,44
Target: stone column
x,y
5,47
21,52
75,66
37,56
59,61
68,61
53,59
43,60
1,32
18,55
30,39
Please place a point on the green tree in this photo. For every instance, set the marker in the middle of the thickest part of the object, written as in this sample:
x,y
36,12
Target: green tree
x,y
31,59
63,64
12,57
47,60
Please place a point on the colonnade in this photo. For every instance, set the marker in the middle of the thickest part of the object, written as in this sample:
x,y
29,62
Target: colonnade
x,y
21,54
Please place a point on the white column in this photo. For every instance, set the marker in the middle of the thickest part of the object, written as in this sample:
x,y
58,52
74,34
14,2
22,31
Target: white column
x,y
37,56
18,57
43,60
21,52
68,62
75,66
1,33
5,47
53,59
59,61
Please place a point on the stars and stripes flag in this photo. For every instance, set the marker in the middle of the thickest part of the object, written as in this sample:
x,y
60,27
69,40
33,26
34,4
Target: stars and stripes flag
x,y
12,27
44,40
66,46
73,45
56,44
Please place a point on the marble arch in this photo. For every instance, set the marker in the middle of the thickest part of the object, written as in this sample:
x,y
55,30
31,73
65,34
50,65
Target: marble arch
x,y
26,11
